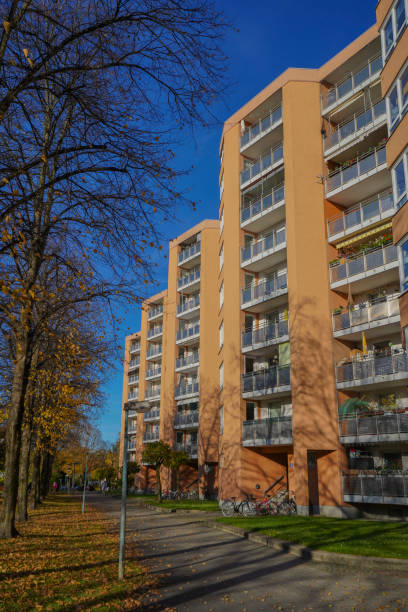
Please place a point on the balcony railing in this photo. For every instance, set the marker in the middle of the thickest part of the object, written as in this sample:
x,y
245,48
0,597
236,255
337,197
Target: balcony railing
x,y
186,389
268,334
353,82
265,290
367,212
268,160
188,332
155,331
188,279
153,352
151,436
190,449
188,304
391,488
361,264
134,348
265,381
134,362
194,249
153,372
155,311
276,196
260,248
186,419
374,428
133,379
267,432
132,430
190,360
151,393
131,447
373,367
262,126
352,126
152,415
363,164
364,314
132,396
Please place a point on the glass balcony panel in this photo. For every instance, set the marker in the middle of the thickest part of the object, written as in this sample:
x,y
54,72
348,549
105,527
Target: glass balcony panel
x,y
281,282
278,154
387,424
350,173
371,210
367,163
393,308
379,109
255,130
245,175
265,123
256,207
333,138
336,226
341,321
361,76
371,486
393,486
390,253
283,328
348,427
403,422
345,87
358,316
279,194
267,202
376,65
353,218
331,97
246,295
383,365
381,156
374,259
271,378
367,426
347,129
247,338
284,375
355,266
338,272
245,214
245,138
269,242
246,254
387,202
256,168
364,119
266,161
334,181
270,332
378,310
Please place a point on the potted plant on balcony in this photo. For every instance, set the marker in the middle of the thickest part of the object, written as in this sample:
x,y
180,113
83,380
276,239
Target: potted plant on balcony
x,y
338,310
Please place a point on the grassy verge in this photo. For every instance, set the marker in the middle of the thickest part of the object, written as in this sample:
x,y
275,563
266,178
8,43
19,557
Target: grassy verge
x,y
68,561
356,537
184,504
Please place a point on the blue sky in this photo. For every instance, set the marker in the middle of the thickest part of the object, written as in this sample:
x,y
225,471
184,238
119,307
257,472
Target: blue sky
x,y
271,37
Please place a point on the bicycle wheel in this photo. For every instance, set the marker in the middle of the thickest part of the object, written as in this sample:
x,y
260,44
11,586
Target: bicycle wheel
x,y
248,508
284,508
228,508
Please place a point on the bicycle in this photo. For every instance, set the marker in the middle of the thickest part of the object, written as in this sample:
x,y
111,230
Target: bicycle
x,y
245,507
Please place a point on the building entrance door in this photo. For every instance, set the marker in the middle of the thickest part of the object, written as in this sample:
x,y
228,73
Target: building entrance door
x,y
313,483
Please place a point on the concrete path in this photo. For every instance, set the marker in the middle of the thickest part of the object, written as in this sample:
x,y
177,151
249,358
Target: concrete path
x,y
208,569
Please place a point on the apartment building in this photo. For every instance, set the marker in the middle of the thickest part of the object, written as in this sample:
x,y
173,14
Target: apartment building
x,y
310,375
178,364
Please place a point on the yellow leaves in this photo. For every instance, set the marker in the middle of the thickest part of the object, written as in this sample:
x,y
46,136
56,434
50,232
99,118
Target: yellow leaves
x,y
44,158
7,26
5,180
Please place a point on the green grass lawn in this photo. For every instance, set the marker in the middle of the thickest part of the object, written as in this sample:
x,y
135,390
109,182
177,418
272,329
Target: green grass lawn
x,y
184,504
356,537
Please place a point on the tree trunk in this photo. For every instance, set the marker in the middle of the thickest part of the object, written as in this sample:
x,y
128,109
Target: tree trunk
x,y
13,433
21,514
178,483
35,486
159,491
46,470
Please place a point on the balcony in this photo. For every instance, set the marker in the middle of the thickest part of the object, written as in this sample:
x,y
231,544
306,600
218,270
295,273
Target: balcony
x,y
188,363
264,211
153,393
262,127
368,317
153,353
358,271
367,174
134,363
254,297
267,432
355,81
152,415
153,373
365,214
151,436
354,128
155,312
266,252
132,429
255,341
134,348
188,256
391,488
371,429
186,420
188,283
269,161
132,396
133,379
190,449
189,307
370,372
266,383
154,332
188,335
131,447
183,390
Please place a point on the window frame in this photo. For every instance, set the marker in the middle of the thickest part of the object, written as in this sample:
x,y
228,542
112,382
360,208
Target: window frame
x,y
404,159
402,278
391,17
402,106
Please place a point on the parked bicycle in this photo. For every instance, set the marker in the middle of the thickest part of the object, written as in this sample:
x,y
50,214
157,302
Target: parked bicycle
x,y
245,507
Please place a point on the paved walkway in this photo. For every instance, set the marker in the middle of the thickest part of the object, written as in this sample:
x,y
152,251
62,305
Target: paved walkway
x,y
208,569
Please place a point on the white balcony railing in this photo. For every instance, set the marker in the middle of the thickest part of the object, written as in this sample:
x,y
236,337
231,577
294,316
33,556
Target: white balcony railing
x,y
134,348
264,203
262,126
184,420
266,162
155,311
152,415
185,389
154,352
151,436
152,372
353,82
188,332
352,127
365,163
190,449
155,331
153,393
363,314
391,488
363,264
133,379
265,381
134,363
189,279
188,252
265,290
267,432
260,248
374,428
265,335
190,360
372,368
188,304
364,214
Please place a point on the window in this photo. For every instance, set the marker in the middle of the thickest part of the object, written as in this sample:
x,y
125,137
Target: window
x,y
388,36
222,220
222,372
222,256
393,26
394,106
404,265
397,99
250,411
400,179
404,87
222,294
400,15
221,420
221,185
222,334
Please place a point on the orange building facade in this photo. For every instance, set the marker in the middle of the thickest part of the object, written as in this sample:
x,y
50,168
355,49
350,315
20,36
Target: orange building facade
x,y
309,306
